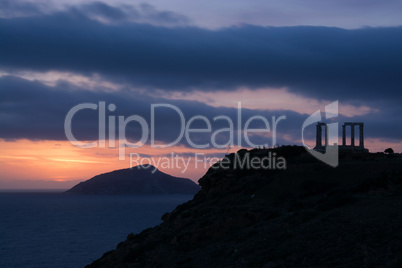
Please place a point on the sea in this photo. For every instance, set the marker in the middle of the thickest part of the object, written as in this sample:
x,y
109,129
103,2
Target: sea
x,y
52,229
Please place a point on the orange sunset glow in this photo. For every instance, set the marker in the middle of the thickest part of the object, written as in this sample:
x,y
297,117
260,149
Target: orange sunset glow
x,y
60,161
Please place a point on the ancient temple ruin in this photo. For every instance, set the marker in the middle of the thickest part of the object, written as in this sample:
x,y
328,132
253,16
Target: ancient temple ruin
x,y
318,141
361,134
319,146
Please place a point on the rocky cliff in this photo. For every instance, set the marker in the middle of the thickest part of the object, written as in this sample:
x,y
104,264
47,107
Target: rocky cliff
x,y
308,214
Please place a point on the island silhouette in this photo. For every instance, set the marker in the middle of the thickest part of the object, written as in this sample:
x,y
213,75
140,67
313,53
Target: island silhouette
x,y
142,179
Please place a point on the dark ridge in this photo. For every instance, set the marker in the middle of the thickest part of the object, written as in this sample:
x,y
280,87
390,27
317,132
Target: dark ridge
x,y
308,215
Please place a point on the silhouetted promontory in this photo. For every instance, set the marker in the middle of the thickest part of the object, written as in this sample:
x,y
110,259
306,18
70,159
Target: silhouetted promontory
x,y
145,179
307,215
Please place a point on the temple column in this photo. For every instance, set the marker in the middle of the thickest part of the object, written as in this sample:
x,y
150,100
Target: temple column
x,y
343,135
352,135
318,136
326,135
361,140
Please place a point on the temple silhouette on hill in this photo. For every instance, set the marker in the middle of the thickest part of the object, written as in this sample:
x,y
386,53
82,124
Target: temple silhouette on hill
x,y
319,146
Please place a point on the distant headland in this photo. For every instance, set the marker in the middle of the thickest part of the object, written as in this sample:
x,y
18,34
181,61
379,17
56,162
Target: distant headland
x,y
143,179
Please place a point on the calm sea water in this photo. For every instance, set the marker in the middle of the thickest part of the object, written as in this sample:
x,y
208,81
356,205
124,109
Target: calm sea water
x,y
50,229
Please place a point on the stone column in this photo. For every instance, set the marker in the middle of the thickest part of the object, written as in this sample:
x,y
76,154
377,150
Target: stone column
x,y
318,136
361,140
343,135
352,134
326,135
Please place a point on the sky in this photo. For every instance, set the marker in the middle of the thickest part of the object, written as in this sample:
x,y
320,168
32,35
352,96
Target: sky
x,y
210,60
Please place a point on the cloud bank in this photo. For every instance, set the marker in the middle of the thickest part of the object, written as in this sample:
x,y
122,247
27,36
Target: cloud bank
x,y
146,51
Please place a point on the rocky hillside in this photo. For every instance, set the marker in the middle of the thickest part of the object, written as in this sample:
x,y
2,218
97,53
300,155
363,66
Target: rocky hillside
x,y
308,215
145,179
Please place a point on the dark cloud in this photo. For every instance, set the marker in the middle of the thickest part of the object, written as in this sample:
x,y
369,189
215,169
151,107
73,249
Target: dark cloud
x,y
105,11
143,13
98,11
123,44
35,111
325,63
13,8
152,14
32,110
